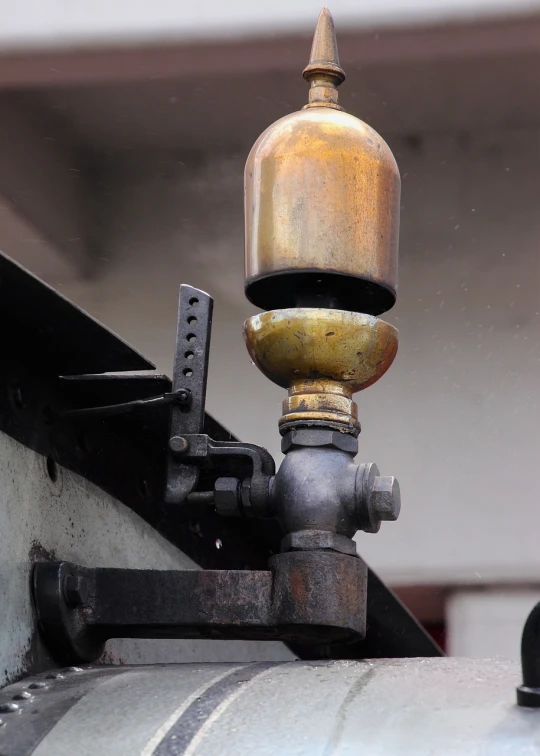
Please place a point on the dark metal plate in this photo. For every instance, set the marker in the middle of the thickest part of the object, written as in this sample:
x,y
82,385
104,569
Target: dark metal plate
x,y
38,324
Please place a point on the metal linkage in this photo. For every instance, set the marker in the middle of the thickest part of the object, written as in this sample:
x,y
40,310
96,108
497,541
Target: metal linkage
x,y
304,596
189,448
182,397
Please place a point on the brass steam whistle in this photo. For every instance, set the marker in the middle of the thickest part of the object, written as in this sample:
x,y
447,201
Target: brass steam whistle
x,y
322,193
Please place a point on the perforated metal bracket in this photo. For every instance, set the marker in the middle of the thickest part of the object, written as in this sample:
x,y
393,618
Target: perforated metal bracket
x,y
190,371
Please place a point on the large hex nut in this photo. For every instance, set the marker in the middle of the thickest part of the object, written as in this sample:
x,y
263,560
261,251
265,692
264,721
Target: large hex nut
x,y
302,437
227,497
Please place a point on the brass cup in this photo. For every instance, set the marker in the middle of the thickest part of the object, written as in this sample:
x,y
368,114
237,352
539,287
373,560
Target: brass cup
x,y
322,357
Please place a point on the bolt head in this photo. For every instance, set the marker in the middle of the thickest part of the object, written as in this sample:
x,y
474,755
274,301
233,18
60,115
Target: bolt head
x,y
178,445
385,498
227,497
75,590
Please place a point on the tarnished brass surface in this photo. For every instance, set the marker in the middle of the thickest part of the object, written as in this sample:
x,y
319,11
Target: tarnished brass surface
x,y
322,192
322,357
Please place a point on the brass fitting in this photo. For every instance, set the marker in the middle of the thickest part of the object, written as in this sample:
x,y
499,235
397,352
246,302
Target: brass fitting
x,y
322,357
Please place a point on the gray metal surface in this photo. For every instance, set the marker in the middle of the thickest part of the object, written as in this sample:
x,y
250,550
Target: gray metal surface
x,y
69,518
421,707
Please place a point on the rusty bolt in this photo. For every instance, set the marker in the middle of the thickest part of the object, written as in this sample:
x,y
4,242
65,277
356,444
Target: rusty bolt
x,y
75,590
178,445
385,499
227,497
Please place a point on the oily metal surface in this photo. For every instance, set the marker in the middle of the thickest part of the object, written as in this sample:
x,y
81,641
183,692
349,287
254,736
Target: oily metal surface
x,y
422,707
322,192
319,345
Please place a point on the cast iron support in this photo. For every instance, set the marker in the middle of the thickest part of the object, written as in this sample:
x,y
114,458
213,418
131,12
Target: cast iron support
x,y
317,596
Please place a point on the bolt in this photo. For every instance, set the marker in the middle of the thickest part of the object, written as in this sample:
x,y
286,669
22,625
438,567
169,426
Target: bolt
x,y
178,445
75,590
22,696
182,396
385,499
38,685
227,497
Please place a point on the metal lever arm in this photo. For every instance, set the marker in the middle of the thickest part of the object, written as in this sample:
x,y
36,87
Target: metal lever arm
x,y
190,372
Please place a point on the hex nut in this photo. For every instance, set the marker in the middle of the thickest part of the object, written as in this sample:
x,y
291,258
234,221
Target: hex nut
x,y
302,437
227,497
385,498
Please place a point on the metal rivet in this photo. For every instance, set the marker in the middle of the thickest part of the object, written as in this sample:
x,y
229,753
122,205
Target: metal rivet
x,y
6,708
36,685
22,696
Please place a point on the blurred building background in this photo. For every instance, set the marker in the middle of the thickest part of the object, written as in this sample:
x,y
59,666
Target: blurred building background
x,y
124,129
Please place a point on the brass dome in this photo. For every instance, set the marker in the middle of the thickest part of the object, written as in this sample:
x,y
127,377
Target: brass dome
x,y
322,193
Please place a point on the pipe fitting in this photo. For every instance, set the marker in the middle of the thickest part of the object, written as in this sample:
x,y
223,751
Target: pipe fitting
x,y
320,488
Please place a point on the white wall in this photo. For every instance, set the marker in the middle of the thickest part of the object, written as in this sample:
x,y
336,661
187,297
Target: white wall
x,y
64,23
456,418
486,624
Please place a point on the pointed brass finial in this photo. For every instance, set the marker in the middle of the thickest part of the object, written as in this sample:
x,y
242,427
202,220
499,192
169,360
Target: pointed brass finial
x,y
323,71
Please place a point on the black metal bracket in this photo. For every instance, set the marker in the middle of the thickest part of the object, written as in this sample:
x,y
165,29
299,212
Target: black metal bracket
x,y
313,597
193,330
